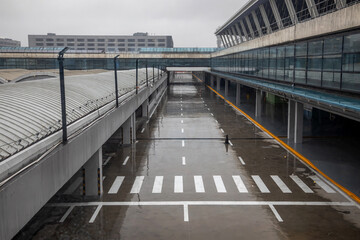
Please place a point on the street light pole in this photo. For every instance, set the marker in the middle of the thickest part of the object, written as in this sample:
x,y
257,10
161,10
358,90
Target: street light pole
x,y
62,92
116,82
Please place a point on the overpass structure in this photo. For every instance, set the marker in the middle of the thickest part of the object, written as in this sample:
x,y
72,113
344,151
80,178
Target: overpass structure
x,y
305,52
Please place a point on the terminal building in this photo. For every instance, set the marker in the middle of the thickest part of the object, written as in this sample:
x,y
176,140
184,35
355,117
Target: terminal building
x,y
102,43
7,42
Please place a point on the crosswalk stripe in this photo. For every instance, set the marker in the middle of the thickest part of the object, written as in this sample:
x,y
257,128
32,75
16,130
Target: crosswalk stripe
x,y
199,184
178,184
241,160
158,184
137,184
126,160
261,185
301,184
280,184
323,185
220,187
116,185
239,184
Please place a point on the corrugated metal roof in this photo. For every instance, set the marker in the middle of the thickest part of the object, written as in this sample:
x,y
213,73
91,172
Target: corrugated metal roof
x,y
30,111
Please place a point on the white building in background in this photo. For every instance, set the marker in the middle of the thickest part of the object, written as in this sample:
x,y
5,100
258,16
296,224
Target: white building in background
x,y
106,43
7,42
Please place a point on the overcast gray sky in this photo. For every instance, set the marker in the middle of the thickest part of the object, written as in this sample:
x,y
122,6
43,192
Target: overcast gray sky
x,y
192,23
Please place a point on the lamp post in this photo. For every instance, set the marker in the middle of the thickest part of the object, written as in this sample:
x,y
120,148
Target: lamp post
x,y
62,92
116,82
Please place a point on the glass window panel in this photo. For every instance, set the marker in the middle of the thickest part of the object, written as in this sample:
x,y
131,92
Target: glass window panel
x,y
314,78
300,63
289,51
352,43
300,76
333,45
314,63
280,74
315,48
289,63
289,75
357,62
331,80
332,63
301,49
351,81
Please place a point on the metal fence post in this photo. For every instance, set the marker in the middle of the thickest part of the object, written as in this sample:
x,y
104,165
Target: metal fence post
x,y
62,93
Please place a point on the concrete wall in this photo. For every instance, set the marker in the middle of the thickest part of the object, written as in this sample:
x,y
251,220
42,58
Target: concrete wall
x,y
342,20
25,195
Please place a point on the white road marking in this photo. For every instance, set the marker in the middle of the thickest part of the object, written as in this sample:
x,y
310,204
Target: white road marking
x,y
322,184
182,121
73,186
280,184
186,213
199,184
181,109
97,210
178,184
231,144
239,184
182,114
116,185
261,185
277,215
216,121
209,109
104,178
137,184
143,130
183,161
126,160
222,130
182,130
241,160
220,187
301,184
158,184
183,143
66,214
107,160
212,114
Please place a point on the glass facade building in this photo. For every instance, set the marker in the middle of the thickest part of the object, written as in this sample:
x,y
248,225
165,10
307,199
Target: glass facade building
x,y
331,62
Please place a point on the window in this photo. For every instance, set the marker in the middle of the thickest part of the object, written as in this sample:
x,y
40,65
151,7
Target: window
x,y
111,49
161,45
131,49
141,44
60,44
91,40
49,39
151,40
151,45
122,49
39,44
111,44
70,44
131,40
59,39
101,44
161,40
81,44
352,43
141,40
121,44
91,49
111,40
131,44
70,40
121,40
81,40
101,40
91,44
49,44
39,39
81,49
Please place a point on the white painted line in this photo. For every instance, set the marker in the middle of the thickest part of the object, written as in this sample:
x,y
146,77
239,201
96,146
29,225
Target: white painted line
x,y
97,210
261,185
181,109
126,160
182,130
301,184
199,184
322,184
73,186
209,109
116,185
182,114
220,187
104,178
231,144
182,121
158,184
183,161
216,121
143,130
222,130
212,114
137,184
206,203
280,184
277,215
239,184
66,214
241,160
186,213
178,184
107,160
183,143
136,141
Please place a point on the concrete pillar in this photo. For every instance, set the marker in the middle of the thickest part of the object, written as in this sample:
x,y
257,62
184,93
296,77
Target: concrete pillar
x,y
129,133
231,39
212,77
256,21
312,8
145,108
239,32
228,39
247,20
238,94
265,19
340,4
299,118
93,175
243,29
291,120
292,12
226,88
235,35
276,14
224,41
218,84
258,103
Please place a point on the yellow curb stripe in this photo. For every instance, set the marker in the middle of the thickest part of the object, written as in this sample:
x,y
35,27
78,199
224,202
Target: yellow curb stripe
x,y
293,151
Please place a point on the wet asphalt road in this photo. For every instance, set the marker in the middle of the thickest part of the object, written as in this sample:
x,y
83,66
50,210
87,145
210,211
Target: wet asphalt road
x,y
180,181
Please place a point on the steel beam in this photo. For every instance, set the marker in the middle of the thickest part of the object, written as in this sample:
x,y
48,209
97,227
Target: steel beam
x,y
238,30
257,24
276,13
243,29
265,19
250,27
235,35
312,8
292,12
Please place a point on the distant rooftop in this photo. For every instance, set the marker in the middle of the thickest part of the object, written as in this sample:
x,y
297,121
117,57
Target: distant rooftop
x,y
179,50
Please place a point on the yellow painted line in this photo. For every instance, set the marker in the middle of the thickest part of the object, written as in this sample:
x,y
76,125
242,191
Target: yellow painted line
x,y
348,192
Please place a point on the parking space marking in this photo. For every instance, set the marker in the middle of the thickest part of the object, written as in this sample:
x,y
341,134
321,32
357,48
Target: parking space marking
x,y
280,184
301,184
66,214
199,184
323,185
220,187
158,184
261,185
277,215
137,184
241,160
126,160
97,210
116,185
178,184
143,130
222,130
183,143
239,184
183,161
